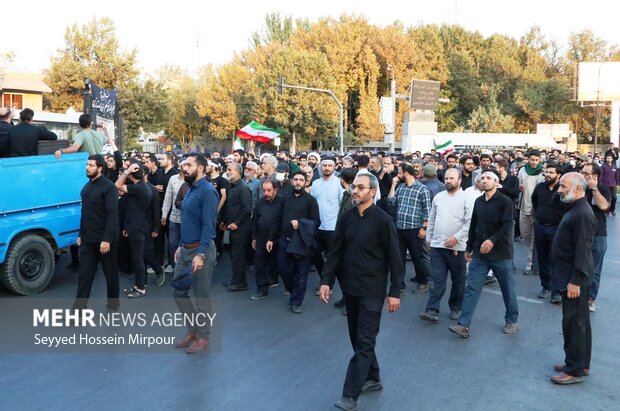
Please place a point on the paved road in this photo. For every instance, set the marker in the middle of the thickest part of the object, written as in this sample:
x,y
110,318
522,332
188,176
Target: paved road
x,y
272,359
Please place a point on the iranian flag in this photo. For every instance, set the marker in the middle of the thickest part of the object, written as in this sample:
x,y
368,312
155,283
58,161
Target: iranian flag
x,y
257,132
444,147
237,144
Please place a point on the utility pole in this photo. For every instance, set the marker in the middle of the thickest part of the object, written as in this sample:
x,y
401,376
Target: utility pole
x,y
281,85
598,91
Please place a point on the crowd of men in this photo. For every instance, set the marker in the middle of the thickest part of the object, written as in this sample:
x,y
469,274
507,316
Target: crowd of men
x,y
355,218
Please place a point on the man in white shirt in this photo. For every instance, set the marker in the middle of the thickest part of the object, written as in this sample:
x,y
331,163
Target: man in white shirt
x,y
448,228
529,177
328,193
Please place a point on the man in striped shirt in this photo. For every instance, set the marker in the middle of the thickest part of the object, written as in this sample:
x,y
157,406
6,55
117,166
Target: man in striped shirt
x,y
413,202
448,228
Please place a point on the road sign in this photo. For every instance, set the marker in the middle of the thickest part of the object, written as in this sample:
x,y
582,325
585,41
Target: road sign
x,y
387,114
424,95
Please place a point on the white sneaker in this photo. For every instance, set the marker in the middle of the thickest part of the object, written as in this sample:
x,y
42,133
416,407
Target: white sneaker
x,y
169,269
150,271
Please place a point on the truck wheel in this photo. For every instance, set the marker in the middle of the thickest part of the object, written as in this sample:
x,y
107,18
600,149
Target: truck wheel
x,y
29,265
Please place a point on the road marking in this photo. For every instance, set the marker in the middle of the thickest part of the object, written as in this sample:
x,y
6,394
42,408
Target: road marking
x,y
527,300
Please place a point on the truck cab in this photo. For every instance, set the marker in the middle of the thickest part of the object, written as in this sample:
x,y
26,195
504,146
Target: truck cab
x,y
40,208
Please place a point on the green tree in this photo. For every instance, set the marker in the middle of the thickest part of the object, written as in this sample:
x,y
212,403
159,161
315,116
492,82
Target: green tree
x,y
91,51
463,88
302,113
145,108
489,118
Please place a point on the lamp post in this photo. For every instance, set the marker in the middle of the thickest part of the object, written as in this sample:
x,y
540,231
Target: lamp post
x,y
281,85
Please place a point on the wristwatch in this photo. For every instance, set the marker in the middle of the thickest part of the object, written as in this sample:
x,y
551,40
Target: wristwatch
x,y
202,255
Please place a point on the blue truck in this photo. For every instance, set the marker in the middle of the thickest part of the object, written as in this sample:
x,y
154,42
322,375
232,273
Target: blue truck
x,y
40,208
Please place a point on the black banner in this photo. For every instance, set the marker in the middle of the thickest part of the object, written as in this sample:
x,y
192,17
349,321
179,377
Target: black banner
x,y
104,101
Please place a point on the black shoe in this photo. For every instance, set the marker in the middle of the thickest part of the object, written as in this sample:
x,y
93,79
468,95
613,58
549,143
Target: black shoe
x,y
227,284
237,287
347,404
413,279
371,385
556,299
161,278
258,296
339,303
273,284
544,294
296,309
430,315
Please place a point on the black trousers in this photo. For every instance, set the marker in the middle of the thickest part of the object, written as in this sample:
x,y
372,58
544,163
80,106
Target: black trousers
x,y
136,240
239,243
543,239
265,266
325,239
124,263
420,255
577,333
364,319
90,257
75,253
159,245
150,259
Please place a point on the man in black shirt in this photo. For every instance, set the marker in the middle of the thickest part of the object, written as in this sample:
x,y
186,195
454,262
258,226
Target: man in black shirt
x,y
489,247
363,254
153,213
300,215
5,127
599,197
509,186
114,162
24,138
155,173
548,212
137,224
222,186
99,230
572,275
467,169
237,218
265,227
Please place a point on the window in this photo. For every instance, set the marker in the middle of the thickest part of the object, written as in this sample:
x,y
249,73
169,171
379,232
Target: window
x,y
13,100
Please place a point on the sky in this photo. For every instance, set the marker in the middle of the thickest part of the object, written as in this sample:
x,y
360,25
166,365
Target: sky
x,y
192,33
